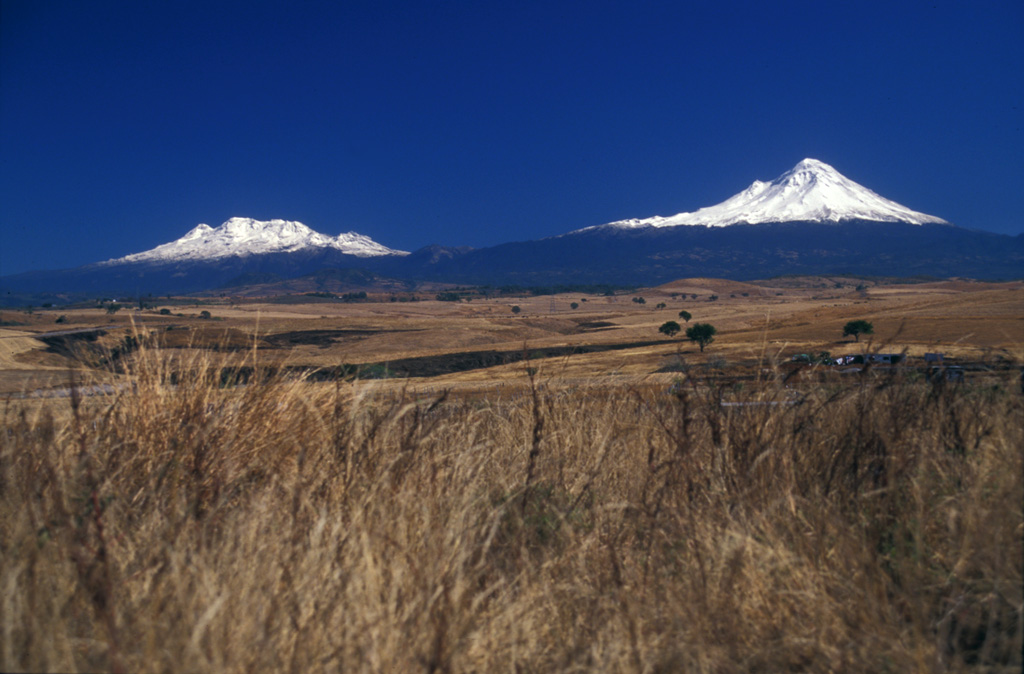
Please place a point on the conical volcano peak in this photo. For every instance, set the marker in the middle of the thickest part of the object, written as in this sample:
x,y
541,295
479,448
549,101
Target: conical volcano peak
x,y
812,191
809,171
813,172
812,165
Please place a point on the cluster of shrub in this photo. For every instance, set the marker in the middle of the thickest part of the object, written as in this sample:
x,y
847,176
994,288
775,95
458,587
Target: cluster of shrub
x,y
704,334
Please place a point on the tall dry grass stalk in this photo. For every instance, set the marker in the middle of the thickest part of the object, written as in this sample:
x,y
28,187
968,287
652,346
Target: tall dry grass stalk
x,y
289,526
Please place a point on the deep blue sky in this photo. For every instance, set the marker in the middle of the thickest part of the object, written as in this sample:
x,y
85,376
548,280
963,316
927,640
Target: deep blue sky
x,y
125,124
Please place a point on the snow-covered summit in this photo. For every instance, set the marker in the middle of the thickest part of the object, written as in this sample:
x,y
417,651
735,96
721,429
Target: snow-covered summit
x,y
811,191
241,237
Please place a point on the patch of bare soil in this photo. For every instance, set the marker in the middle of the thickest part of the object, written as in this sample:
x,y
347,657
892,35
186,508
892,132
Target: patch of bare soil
x,y
213,338
321,338
432,366
596,325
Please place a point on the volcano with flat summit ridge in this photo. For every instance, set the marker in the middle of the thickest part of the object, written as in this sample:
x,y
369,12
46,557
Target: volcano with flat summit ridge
x,y
243,237
207,257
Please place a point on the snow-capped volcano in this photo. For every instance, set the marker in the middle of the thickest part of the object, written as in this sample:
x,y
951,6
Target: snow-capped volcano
x,y
812,191
242,237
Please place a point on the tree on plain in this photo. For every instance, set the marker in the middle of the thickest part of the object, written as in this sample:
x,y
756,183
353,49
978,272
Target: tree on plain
x,y
669,328
858,328
702,333
685,315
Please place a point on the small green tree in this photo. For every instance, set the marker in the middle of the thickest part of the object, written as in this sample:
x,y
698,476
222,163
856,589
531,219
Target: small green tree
x,y
516,309
660,305
205,314
702,333
574,305
858,328
685,315
113,308
669,328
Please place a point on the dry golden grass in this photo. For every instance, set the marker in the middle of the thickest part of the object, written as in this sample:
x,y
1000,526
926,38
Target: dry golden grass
x,y
292,526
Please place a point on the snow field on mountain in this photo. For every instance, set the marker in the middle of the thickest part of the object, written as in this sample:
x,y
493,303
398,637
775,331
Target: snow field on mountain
x,y
242,237
812,191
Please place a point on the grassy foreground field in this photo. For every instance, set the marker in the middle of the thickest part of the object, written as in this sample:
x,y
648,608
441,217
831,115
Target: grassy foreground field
x,y
866,521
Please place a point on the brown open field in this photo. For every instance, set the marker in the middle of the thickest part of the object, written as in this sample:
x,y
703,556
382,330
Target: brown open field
x,y
620,502
616,338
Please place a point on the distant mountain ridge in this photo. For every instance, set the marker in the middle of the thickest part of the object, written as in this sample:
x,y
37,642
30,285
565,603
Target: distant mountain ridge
x,y
809,220
329,280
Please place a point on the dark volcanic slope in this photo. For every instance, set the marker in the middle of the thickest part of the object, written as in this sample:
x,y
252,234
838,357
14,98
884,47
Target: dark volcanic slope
x,y
741,252
178,277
